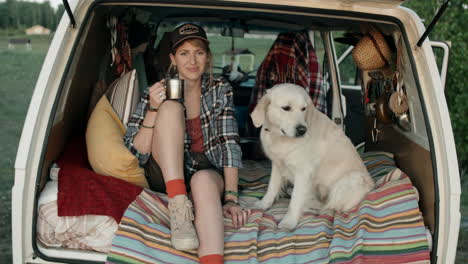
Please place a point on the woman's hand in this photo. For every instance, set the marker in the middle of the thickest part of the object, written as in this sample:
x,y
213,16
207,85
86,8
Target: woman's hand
x,y
238,214
157,94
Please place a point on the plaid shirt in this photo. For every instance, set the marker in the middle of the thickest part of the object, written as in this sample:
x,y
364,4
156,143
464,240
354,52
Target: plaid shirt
x,y
291,59
219,127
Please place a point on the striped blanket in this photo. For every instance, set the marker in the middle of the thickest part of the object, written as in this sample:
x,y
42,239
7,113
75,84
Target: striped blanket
x,y
387,227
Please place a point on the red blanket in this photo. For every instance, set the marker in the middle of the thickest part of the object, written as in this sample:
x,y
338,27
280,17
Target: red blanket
x,y
81,191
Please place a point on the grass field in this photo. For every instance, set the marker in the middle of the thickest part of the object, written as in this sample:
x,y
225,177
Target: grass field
x,y
18,74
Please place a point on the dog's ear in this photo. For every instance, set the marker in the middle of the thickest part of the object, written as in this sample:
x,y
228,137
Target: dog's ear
x,y
259,112
310,108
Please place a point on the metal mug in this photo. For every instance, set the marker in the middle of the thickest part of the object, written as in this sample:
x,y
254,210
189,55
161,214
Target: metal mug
x,y
174,89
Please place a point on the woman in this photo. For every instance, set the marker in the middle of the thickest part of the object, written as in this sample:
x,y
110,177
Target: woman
x,y
199,135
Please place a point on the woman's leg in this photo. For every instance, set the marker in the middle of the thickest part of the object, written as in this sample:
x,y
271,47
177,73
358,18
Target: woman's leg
x,y
207,186
168,140
168,151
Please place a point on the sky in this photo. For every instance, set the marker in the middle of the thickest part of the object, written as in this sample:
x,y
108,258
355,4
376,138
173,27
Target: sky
x,y
53,3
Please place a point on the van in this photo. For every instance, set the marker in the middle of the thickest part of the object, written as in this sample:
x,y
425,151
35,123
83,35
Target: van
x,y
90,51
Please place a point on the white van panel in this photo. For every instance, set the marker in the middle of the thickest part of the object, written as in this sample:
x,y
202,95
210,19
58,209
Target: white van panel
x,y
32,139
448,178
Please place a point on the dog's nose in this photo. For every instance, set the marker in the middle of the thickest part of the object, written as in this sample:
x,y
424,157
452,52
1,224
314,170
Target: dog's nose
x,y
300,130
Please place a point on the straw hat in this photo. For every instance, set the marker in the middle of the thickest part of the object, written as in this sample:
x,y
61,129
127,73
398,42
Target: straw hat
x,y
372,52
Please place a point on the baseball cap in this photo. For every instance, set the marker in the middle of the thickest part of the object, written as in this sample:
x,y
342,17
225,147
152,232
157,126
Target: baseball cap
x,y
187,31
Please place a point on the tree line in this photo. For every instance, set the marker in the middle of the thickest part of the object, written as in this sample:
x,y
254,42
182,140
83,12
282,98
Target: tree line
x,y
452,27
17,15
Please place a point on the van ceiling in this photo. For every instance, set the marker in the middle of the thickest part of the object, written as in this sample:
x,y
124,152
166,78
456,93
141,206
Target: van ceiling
x,y
263,21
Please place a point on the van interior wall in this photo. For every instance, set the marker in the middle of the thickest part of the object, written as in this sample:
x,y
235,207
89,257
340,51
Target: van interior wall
x,y
84,72
413,160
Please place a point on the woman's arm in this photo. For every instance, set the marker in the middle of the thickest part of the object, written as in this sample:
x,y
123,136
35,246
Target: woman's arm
x,y
232,159
229,139
139,135
232,209
144,137
228,133
231,181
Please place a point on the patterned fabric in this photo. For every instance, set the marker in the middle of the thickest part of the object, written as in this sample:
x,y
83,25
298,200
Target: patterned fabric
x,y
291,59
85,232
220,135
386,227
123,94
378,163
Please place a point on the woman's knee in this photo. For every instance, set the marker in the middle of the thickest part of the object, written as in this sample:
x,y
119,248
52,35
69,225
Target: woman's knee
x,y
205,180
170,106
170,114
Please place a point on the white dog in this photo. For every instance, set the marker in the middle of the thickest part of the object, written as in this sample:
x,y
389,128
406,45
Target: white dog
x,y
310,151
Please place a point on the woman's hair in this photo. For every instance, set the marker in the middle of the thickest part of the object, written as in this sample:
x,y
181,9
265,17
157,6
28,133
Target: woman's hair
x,y
204,45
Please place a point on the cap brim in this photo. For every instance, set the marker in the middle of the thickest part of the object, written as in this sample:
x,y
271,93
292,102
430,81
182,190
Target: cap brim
x,y
188,37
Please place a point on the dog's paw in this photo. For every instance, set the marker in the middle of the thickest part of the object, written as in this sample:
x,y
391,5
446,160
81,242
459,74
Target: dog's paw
x,y
262,204
289,222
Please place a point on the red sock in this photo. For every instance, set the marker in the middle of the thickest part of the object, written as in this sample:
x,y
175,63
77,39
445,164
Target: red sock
x,y
175,187
211,259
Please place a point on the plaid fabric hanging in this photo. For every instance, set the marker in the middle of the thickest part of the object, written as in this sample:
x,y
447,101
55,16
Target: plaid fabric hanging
x,y
120,49
291,59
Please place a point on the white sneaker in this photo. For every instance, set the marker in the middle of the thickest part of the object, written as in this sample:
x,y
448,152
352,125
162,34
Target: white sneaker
x,y
183,235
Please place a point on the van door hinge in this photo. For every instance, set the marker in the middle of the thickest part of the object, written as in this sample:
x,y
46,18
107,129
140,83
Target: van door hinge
x,y
433,22
69,13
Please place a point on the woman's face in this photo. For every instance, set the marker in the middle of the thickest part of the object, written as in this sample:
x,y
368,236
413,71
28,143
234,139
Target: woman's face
x,y
190,60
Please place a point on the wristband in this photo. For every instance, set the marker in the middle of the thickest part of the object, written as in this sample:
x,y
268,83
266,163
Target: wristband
x,y
236,194
230,201
151,109
143,125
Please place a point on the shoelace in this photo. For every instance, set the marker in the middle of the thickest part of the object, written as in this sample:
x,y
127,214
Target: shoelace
x,y
182,213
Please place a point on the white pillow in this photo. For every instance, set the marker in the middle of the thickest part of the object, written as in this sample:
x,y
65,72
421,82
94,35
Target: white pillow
x,y
49,193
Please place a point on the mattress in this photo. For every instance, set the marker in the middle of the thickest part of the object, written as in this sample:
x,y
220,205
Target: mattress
x,y
386,227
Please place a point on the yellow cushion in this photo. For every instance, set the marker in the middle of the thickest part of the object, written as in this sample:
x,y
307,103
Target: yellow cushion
x,y
107,153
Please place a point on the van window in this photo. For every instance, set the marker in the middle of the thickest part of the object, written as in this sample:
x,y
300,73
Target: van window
x,y
349,73
248,51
